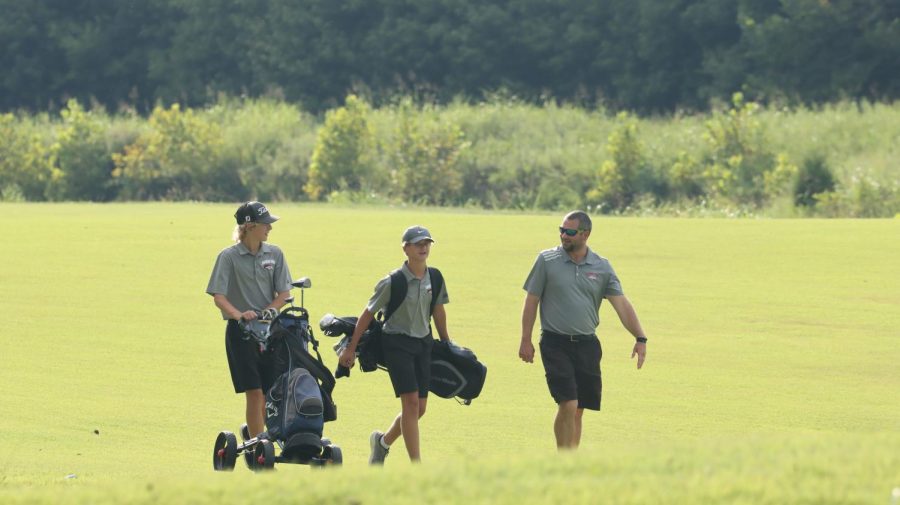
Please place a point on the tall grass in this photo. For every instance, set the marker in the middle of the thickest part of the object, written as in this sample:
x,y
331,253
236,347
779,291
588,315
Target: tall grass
x,y
508,155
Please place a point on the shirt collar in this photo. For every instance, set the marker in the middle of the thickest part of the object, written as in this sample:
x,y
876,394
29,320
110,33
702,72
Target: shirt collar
x,y
589,259
264,248
408,273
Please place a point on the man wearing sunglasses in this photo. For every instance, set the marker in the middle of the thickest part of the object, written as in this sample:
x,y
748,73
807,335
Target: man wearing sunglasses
x,y
568,283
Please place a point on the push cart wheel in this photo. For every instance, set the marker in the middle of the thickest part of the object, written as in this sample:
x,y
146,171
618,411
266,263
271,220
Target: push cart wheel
x,y
264,455
225,452
337,458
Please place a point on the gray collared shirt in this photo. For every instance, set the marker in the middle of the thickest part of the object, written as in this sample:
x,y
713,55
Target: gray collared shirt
x,y
571,292
412,316
249,282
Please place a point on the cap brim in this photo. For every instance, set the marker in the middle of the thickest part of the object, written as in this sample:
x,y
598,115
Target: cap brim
x,y
416,240
267,219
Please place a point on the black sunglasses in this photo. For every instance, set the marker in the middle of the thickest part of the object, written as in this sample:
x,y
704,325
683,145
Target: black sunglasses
x,y
571,232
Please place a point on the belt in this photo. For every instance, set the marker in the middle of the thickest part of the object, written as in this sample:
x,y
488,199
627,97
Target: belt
x,y
569,338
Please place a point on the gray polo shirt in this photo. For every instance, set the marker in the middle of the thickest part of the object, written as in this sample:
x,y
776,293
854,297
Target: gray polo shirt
x,y
412,316
249,281
571,293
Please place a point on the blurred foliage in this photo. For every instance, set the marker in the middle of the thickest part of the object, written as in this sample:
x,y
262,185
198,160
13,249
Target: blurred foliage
x,y
645,56
83,158
423,154
627,173
813,179
269,144
743,159
343,158
177,158
26,162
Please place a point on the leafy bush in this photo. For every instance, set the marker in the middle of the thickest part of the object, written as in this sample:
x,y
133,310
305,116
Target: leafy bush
x,y
25,160
813,178
268,144
502,154
343,156
178,158
424,154
518,153
738,158
686,177
628,172
84,163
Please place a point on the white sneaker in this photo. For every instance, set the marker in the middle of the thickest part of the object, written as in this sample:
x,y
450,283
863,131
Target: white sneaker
x,y
378,451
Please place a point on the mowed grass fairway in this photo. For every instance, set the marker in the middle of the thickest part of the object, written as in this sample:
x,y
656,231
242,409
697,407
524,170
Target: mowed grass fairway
x,y
773,369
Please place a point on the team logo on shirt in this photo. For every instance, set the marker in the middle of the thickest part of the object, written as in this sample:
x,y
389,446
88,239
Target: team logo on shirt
x,y
594,276
268,264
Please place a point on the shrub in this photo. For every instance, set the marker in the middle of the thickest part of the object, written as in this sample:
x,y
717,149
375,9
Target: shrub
x,y
875,198
11,193
424,155
557,193
84,163
686,177
738,159
343,158
813,178
269,144
627,173
26,162
178,158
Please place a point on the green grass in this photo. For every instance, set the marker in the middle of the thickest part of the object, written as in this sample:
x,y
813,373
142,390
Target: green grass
x,y
772,372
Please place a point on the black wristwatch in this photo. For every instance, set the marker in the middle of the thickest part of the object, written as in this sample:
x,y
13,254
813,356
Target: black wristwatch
x,y
641,340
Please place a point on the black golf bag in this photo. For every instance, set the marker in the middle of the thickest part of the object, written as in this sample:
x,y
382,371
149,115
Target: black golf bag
x,y
299,402
455,370
368,349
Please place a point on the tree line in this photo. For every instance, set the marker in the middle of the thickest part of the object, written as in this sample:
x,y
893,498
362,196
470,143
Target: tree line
x,y
645,56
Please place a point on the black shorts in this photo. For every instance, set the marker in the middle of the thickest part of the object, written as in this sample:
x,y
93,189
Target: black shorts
x,y
249,368
408,360
573,370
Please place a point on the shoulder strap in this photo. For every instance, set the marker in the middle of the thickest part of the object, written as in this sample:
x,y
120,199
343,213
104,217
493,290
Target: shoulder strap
x,y
437,284
399,287
398,293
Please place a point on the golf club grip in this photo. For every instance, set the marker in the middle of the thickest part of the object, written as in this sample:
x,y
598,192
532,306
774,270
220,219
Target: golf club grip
x,y
341,371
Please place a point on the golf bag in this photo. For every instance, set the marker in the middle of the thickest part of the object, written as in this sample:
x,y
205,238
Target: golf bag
x,y
368,349
455,372
294,404
299,402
